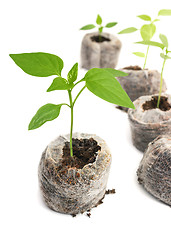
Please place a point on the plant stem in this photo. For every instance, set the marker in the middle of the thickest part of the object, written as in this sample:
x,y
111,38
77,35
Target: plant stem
x,y
71,129
146,57
161,84
78,95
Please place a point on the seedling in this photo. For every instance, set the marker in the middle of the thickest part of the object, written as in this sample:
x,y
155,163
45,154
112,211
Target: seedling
x,y
147,31
99,26
164,55
101,82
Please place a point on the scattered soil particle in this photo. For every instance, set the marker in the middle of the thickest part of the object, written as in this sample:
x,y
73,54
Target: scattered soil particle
x,y
110,191
152,104
133,68
84,152
100,39
73,215
89,215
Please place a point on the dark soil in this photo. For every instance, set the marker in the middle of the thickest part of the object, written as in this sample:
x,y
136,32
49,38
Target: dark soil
x,y
84,152
100,39
152,104
133,68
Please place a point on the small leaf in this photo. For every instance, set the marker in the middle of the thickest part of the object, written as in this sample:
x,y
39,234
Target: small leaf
x,y
100,29
139,54
73,73
59,83
164,40
164,12
156,20
116,73
111,24
101,83
147,31
39,64
46,113
164,56
145,17
99,20
151,43
128,30
88,27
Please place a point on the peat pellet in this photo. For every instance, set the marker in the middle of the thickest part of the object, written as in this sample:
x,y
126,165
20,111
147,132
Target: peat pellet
x,y
102,53
140,82
73,186
147,122
154,172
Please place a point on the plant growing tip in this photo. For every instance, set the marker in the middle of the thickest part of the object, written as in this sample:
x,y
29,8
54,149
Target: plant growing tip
x,y
101,82
163,45
147,31
99,26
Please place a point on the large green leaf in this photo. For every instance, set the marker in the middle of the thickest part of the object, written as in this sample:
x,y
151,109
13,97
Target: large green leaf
x,y
99,20
128,30
164,40
46,113
59,83
151,43
164,12
116,73
88,27
147,31
145,17
39,64
111,24
73,73
139,54
101,83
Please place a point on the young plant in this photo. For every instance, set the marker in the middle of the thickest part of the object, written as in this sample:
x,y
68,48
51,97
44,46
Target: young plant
x,y
99,26
164,55
101,82
147,31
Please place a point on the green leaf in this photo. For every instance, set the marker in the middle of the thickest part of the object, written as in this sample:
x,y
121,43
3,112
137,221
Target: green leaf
x,y
39,64
100,29
151,43
88,27
145,17
139,54
164,12
59,83
164,56
46,113
73,73
164,40
147,31
116,73
111,24
101,83
156,20
128,30
99,20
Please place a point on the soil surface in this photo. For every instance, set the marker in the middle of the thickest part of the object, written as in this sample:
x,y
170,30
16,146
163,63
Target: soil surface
x,y
152,104
133,68
100,39
84,152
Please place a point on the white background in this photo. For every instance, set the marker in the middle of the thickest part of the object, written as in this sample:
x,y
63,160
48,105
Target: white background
x,y
53,26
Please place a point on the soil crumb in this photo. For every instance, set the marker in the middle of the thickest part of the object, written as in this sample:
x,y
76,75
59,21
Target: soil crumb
x,y
133,68
152,104
100,39
110,191
84,152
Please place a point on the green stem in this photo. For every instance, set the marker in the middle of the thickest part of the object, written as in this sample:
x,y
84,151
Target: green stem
x,y
78,94
71,129
82,80
161,84
146,57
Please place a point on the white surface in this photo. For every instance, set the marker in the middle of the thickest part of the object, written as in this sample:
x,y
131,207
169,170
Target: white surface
x,y
52,26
